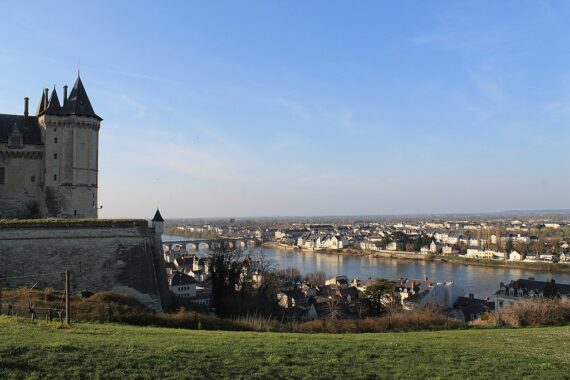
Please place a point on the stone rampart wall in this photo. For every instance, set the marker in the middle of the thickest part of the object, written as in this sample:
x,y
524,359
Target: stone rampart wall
x,y
101,255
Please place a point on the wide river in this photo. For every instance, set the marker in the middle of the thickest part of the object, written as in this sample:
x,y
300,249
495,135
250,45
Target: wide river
x,y
482,281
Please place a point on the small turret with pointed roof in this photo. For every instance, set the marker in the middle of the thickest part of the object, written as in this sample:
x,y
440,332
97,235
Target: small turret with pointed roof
x,y
53,107
157,216
158,223
78,102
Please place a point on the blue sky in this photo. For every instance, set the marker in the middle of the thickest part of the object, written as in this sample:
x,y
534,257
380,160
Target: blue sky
x,y
252,108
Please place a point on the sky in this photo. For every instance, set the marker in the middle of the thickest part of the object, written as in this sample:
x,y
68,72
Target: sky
x,y
282,108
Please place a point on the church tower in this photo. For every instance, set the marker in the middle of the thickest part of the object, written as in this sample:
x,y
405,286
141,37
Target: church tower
x,y
70,131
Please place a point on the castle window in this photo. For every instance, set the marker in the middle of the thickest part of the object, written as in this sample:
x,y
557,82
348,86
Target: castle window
x,y
55,140
74,212
2,175
55,177
55,156
33,179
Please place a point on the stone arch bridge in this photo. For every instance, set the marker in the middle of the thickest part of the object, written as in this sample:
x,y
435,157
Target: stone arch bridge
x,y
195,245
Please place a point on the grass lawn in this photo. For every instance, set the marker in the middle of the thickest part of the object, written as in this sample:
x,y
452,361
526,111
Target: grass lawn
x,y
88,350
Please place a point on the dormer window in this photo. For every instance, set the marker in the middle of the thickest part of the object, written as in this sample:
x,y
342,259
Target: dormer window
x,y
16,140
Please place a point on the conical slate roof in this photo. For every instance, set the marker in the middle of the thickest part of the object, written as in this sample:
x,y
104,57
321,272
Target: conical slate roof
x,y
157,217
78,102
54,107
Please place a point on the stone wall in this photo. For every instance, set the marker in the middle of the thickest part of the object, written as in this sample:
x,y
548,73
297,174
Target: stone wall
x,y
100,254
21,192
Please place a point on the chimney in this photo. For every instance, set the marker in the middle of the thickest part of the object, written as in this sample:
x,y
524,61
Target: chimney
x,y
46,92
413,287
64,94
26,103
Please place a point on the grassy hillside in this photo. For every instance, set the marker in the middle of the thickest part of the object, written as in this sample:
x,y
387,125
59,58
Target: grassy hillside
x,y
90,350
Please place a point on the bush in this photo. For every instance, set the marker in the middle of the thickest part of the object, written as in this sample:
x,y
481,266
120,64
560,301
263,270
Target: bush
x,y
426,319
541,312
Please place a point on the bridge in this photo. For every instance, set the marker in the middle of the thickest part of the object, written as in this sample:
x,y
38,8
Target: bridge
x,y
214,243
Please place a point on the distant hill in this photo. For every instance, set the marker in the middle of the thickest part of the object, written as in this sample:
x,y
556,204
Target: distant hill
x,y
384,217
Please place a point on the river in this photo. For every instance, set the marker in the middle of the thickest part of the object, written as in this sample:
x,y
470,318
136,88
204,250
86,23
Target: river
x,y
482,281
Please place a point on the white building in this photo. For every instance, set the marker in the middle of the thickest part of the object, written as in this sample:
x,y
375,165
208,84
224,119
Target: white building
x,y
183,285
515,256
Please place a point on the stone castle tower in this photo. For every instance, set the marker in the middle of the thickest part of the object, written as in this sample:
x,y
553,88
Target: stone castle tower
x,y
49,162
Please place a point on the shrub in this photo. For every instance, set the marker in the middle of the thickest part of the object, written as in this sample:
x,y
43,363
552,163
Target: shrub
x,y
539,312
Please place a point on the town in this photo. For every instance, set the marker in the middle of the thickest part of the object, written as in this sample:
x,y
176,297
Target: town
x,y
502,239
315,296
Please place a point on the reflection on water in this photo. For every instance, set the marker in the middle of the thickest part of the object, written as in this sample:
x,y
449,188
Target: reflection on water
x,y
482,281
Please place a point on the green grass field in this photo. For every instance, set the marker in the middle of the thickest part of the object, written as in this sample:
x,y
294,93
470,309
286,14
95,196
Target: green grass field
x,y
88,350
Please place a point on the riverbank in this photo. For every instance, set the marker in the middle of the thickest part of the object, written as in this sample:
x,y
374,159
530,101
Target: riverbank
x,y
402,255
540,266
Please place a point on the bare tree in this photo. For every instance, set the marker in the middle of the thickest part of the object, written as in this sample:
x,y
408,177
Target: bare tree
x,y
316,278
335,308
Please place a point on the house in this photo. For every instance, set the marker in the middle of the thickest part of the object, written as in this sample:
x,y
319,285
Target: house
x,y
183,285
338,242
360,284
186,263
367,246
285,301
548,257
434,247
474,252
522,289
416,294
449,249
441,236
515,256
392,246
471,308
338,281
454,237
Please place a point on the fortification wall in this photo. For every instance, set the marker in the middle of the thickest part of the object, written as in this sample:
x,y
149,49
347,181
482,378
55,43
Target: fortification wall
x,y
100,254
20,190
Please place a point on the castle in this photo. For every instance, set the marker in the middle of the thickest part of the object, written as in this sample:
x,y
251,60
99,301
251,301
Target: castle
x,y
49,162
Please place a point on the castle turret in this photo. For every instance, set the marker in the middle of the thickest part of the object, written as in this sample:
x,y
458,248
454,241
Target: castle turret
x,y
158,223
71,137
